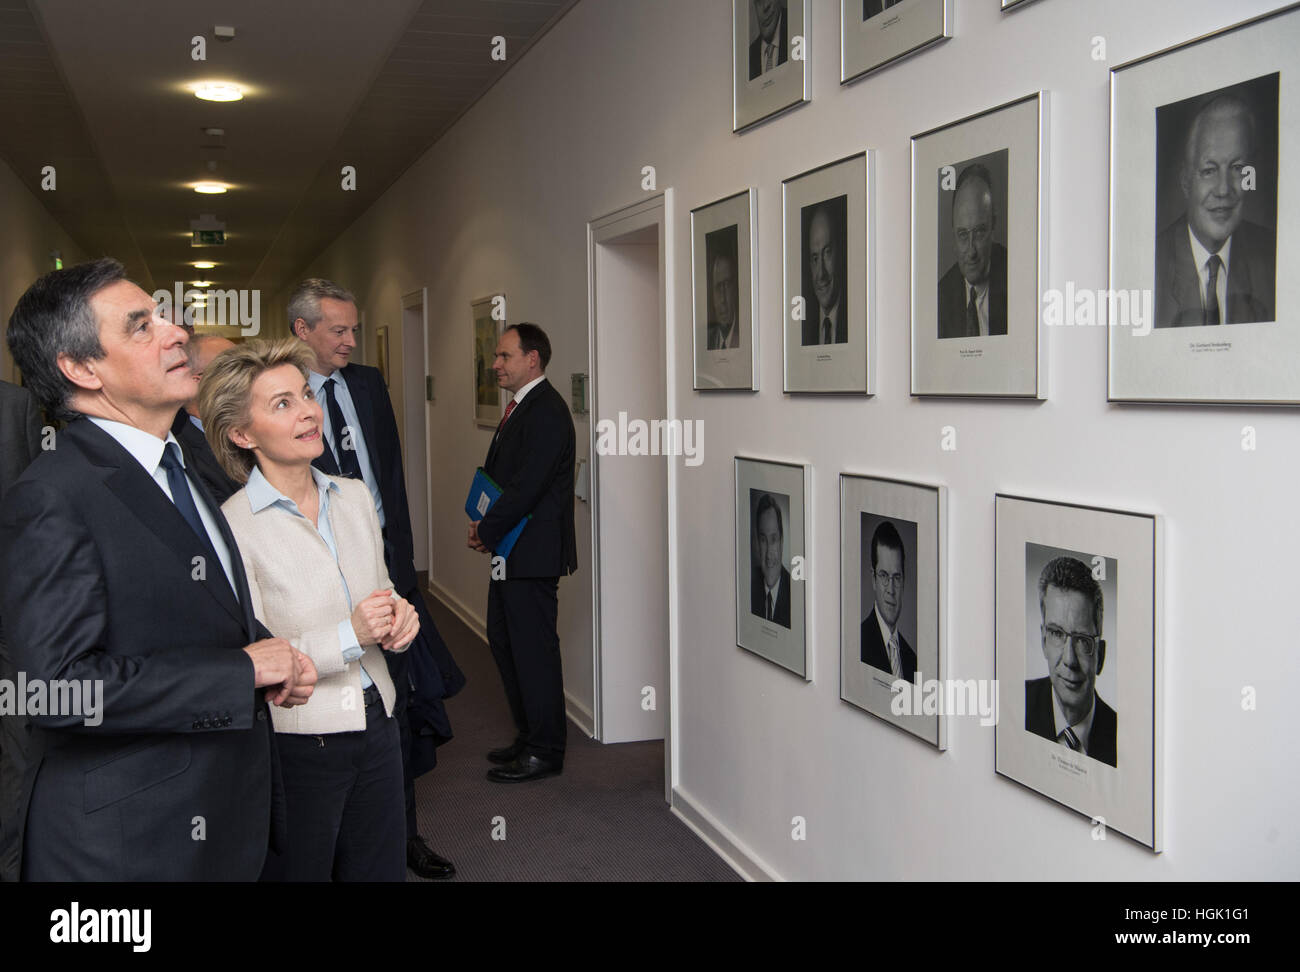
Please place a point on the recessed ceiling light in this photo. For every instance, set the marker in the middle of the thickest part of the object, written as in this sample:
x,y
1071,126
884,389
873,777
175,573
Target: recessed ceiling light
x,y
210,188
200,283
203,265
218,91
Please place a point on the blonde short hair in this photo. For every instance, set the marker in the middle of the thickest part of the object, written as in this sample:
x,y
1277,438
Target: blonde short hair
x,y
226,390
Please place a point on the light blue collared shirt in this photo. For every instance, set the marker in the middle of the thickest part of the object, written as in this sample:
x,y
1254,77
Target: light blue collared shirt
x,y
194,420
262,495
147,450
349,410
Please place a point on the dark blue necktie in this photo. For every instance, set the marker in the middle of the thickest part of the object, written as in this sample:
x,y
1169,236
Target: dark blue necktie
x,y
184,500
347,457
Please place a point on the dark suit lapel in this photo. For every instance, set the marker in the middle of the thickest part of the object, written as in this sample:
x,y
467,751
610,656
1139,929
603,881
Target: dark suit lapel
x,y
510,429
365,415
141,495
1187,280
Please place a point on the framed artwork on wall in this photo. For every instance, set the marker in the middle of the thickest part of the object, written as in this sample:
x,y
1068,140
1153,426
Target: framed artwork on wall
x,y
381,352
979,256
771,556
1201,221
1077,659
828,254
893,643
874,33
768,54
489,322
724,272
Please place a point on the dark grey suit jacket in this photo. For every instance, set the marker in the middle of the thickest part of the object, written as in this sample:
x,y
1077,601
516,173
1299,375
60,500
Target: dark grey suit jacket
x,y
1252,277
952,297
1038,720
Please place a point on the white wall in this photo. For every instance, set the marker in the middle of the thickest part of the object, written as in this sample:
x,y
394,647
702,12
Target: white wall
x,y
501,203
30,233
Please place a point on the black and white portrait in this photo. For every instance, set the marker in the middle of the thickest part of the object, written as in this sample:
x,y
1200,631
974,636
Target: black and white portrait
x,y
888,633
972,251
825,297
769,30
1216,206
769,588
720,250
1070,602
871,8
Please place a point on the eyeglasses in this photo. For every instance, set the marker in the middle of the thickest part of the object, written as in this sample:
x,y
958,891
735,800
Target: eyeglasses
x,y
981,236
886,579
1085,645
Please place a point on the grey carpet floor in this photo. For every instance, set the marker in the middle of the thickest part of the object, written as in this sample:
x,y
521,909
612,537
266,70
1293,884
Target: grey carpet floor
x,y
603,819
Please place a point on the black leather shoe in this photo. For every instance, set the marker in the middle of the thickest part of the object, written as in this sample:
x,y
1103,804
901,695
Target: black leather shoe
x,y
507,754
523,769
424,862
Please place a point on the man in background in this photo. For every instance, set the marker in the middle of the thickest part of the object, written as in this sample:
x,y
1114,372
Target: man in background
x,y
723,332
769,586
362,442
825,321
20,443
188,427
531,456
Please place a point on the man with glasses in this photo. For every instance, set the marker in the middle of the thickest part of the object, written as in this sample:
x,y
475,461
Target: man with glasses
x,y
883,645
1064,707
973,293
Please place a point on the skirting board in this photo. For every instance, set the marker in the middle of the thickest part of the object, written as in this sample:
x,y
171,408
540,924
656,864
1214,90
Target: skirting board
x,y
580,715
458,607
726,845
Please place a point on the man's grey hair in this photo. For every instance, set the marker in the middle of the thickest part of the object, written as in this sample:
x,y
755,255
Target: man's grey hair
x,y
305,301
1071,574
1221,106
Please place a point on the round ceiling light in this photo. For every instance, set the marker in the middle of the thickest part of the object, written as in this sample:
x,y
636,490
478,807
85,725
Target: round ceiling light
x,y
210,188
218,91
203,265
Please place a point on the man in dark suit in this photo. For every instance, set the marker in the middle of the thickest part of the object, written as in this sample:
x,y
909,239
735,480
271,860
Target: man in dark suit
x,y
723,332
825,313
188,427
1065,707
771,46
883,645
362,442
531,457
769,585
20,443
119,573
973,293
1213,266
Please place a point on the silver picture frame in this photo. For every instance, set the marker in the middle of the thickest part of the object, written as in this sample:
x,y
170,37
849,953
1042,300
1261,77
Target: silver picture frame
x,y
990,170
1059,566
773,521
894,526
1167,342
485,332
724,279
871,40
766,84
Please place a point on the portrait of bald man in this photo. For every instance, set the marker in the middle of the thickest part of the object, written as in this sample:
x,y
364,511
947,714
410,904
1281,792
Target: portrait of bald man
x,y
973,291
824,293
1213,264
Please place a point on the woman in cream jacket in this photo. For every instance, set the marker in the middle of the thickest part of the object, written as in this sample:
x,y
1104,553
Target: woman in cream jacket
x,y
313,551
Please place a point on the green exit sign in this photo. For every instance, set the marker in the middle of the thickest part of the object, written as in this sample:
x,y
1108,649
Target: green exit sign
x,y
209,238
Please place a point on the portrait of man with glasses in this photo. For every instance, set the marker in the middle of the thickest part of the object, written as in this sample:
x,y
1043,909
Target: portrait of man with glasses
x,y
973,291
883,644
1064,706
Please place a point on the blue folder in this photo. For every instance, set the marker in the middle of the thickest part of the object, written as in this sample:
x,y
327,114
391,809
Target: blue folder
x,y
483,492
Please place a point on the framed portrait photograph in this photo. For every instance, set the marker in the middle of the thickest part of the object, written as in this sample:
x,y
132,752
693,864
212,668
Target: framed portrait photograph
x,y
893,643
769,51
1200,221
771,553
1077,659
488,397
874,33
979,254
381,352
724,273
829,261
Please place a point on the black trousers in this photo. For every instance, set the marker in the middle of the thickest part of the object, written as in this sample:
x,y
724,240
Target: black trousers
x,y
525,644
343,801
399,669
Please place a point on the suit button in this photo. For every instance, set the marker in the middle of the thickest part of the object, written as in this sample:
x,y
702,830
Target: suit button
x,y
207,723
261,715
197,724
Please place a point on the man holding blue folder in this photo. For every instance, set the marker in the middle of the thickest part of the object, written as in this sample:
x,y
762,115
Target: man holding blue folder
x,y
531,461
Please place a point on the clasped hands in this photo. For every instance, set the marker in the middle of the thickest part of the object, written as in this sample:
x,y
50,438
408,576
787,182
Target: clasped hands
x,y
474,543
286,673
386,620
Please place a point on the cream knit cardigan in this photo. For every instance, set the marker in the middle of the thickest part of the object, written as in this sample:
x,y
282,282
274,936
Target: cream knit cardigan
x,y
294,583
